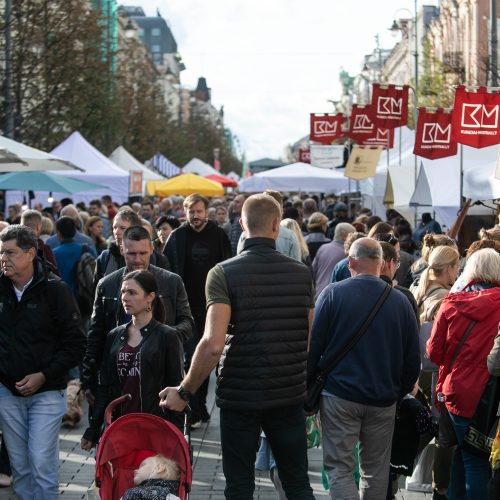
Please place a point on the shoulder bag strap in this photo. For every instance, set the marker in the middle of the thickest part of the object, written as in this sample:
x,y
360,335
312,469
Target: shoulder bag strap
x,y
355,338
460,344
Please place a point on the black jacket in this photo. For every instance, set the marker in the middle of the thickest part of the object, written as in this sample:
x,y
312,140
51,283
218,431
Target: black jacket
x,y
263,364
43,332
108,314
162,366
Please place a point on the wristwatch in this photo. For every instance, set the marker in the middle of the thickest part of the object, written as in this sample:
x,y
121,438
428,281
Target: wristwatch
x,y
185,395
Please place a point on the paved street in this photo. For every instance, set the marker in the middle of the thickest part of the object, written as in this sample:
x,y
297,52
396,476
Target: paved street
x,y
77,467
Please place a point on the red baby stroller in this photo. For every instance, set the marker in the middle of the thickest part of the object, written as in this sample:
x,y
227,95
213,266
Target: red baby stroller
x,y
132,438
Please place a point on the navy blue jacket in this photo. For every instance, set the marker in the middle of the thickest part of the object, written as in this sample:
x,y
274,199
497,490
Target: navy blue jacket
x,y
385,363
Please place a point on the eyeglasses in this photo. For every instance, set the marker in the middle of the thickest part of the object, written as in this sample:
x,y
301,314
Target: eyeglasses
x,y
392,240
398,263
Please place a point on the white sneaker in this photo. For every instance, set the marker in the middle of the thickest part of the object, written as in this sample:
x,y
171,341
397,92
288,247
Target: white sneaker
x,y
5,480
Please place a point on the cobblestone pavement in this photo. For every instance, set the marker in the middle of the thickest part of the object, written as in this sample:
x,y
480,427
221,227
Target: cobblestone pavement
x,y
77,467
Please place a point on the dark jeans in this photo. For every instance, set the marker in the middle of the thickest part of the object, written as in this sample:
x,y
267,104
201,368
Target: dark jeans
x,y
285,429
470,473
199,399
4,460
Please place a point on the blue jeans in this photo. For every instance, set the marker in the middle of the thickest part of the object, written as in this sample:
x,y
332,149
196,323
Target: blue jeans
x,y
285,429
470,473
31,429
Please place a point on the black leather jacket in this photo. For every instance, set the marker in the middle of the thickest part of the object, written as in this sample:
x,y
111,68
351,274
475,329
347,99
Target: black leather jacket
x,y
161,366
43,332
108,313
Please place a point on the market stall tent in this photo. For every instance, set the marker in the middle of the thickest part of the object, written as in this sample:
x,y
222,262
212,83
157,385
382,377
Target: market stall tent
x,y
185,184
197,166
121,157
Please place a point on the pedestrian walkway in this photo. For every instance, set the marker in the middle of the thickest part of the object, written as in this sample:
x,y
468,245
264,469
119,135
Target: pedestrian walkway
x,y
77,467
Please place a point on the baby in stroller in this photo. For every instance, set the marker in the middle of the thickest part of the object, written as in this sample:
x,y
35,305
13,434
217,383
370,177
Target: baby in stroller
x,y
156,478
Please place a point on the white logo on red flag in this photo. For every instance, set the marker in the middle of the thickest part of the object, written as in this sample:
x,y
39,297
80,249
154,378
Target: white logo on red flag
x,y
362,122
325,128
475,117
434,133
479,116
390,106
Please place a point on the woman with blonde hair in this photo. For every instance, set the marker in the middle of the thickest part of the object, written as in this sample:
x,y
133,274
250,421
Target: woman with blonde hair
x,y
304,250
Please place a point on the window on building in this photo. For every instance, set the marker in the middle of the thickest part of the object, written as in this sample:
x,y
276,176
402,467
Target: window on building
x,y
157,58
156,32
141,32
155,48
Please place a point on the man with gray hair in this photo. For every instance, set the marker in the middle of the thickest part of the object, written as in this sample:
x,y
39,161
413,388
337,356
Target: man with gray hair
x,y
358,402
328,255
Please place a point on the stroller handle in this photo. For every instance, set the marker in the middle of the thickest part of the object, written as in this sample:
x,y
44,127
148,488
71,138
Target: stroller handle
x,y
108,414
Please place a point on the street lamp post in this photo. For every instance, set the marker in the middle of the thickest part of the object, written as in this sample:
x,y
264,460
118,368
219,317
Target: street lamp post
x,y
9,115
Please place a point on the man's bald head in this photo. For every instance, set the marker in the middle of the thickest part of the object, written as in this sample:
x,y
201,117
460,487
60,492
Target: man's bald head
x,y
261,216
365,257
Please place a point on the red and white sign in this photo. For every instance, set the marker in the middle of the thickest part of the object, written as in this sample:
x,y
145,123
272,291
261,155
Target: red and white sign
x,y
361,126
325,128
383,137
433,136
475,117
389,108
304,155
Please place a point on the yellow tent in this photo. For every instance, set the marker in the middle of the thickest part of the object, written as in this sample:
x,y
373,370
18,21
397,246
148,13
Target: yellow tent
x,y
184,185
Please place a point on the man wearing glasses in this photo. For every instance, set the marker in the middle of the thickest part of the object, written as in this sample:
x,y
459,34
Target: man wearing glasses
x,y
41,338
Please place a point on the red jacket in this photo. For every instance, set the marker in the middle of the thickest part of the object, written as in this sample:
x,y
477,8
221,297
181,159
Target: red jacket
x,y
466,382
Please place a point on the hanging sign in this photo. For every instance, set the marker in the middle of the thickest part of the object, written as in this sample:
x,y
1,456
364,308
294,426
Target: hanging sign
x,y
433,137
389,108
384,137
327,156
361,126
304,155
325,128
475,117
362,162
135,183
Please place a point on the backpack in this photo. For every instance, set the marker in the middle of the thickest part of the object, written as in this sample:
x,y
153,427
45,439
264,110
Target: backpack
x,y
85,281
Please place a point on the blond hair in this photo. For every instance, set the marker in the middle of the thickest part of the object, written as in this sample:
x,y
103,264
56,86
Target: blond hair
x,y
317,221
294,226
439,260
490,234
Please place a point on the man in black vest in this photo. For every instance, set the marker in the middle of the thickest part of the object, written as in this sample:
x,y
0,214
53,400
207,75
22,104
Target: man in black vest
x,y
269,300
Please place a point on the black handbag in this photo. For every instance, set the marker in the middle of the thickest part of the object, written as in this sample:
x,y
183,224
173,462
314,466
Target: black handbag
x,y
478,439
447,437
315,388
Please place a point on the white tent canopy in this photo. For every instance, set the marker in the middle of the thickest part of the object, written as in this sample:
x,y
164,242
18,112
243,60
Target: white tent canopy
x,y
98,169
297,177
197,166
17,157
121,157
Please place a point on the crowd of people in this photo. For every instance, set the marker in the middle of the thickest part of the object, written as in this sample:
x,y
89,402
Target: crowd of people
x,y
148,298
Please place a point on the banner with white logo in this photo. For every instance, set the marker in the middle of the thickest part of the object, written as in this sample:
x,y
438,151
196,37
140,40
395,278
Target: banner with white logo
x,y
327,156
389,107
433,137
383,137
361,126
304,155
325,128
362,162
475,117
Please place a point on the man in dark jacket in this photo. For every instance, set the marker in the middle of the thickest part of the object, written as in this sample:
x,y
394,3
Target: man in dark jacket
x,y
269,300
41,338
108,311
193,249
358,402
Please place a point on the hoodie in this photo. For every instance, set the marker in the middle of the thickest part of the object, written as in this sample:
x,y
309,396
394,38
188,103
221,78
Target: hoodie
x,y
464,385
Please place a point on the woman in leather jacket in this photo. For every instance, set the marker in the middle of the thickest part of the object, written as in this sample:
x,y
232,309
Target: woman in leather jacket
x,y
140,357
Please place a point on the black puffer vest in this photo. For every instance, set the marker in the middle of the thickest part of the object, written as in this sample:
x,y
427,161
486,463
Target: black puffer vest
x,y
263,364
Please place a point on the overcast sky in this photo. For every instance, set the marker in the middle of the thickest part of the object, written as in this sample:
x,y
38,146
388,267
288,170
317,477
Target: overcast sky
x,y
272,62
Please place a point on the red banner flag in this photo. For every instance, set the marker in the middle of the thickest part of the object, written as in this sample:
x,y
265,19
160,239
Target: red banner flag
x,y
383,137
475,117
326,128
361,126
304,155
389,105
433,137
